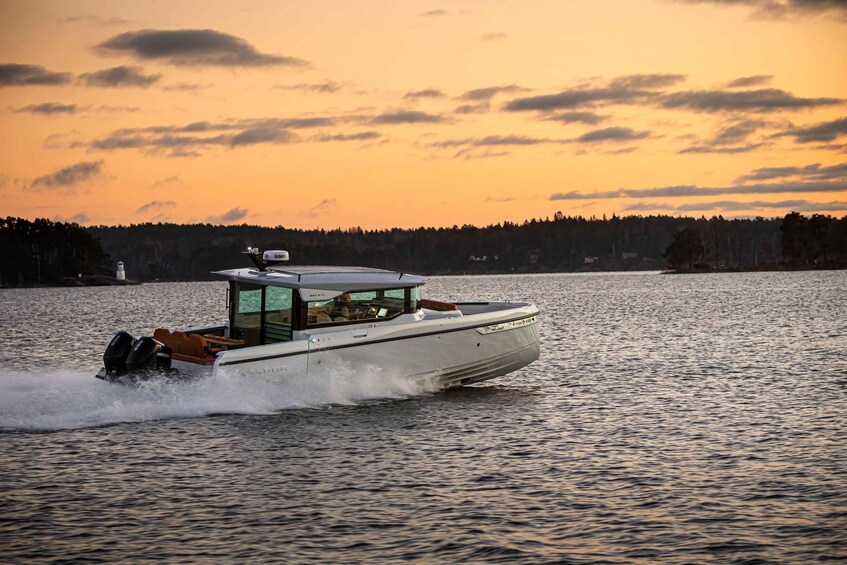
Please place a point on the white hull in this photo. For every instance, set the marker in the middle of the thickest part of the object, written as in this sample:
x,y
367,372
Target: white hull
x,y
447,352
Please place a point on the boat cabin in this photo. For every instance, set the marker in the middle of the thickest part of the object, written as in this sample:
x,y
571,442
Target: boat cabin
x,y
272,305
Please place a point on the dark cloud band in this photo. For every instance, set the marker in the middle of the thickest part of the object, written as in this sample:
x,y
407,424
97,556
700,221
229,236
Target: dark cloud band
x,y
13,74
193,47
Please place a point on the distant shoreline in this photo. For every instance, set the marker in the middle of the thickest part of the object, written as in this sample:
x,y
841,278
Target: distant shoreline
x,y
87,282
767,269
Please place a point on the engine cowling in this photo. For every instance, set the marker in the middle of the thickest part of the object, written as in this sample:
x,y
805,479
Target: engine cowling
x,y
148,356
114,359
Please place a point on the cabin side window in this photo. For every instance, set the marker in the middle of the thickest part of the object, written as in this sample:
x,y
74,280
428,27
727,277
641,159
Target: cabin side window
x,y
364,306
260,314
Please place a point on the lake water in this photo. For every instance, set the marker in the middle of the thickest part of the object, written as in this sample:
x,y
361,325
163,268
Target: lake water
x,y
681,419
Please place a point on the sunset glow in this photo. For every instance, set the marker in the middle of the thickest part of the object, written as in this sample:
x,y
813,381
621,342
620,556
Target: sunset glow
x,y
401,114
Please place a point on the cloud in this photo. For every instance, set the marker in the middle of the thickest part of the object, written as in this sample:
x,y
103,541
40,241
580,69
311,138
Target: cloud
x,y
12,74
612,134
120,77
646,81
705,149
576,117
776,9
78,218
193,47
690,190
182,141
746,82
320,208
731,139
157,205
94,19
175,179
107,108
192,87
406,117
739,205
472,108
229,216
492,36
822,132
575,98
49,108
426,93
809,172
256,135
762,100
489,92
434,13
360,136
70,176
328,87
596,136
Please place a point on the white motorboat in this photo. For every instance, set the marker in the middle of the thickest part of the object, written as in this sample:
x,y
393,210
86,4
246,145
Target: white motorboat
x,y
296,320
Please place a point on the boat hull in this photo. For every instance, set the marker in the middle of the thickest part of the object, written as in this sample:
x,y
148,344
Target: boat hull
x,y
448,353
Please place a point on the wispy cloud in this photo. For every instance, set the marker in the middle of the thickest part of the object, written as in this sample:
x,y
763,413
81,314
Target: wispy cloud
x,y
691,190
489,92
778,9
406,117
175,179
69,177
612,134
576,117
94,19
425,93
328,87
78,218
647,81
750,81
13,74
809,172
434,13
156,205
49,108
577,97
492,36
762,100
121,76
360,136
230,216
320,208
741,206
193,47
821,132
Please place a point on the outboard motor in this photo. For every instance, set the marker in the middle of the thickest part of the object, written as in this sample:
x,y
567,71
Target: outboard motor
x,y
114,360
148,356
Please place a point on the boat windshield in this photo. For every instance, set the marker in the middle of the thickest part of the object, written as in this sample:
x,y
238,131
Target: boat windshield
x,y
359,306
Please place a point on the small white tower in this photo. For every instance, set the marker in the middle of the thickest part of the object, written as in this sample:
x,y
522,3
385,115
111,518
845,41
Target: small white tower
x,y
121,274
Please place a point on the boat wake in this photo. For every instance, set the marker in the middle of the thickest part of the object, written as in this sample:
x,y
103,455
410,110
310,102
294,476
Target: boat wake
x,y
62,399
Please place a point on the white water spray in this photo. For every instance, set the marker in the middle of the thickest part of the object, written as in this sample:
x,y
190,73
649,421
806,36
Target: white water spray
x,y
52,400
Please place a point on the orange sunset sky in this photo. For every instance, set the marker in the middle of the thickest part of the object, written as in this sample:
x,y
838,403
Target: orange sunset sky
x,y
399,113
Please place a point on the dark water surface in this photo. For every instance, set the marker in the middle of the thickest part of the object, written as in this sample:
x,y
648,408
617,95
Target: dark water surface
x,y
675,419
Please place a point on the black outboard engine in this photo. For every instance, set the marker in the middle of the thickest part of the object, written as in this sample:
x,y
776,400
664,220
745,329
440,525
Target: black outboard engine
x,y
147,357
114,360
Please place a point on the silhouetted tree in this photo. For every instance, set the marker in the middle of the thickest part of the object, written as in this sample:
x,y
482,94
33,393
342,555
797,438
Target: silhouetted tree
x,y
685,250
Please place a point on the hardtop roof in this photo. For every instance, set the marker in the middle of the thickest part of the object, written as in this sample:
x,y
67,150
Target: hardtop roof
x,y
324,277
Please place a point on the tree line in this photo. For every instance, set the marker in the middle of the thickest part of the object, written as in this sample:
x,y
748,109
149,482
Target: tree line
x,y
816,242
46,252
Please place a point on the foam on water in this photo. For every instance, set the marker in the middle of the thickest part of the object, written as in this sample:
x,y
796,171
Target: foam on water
x,y
63,399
